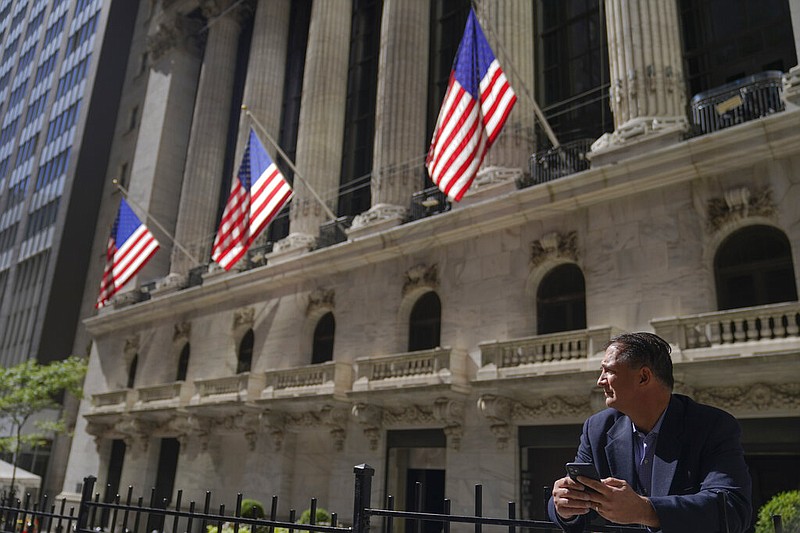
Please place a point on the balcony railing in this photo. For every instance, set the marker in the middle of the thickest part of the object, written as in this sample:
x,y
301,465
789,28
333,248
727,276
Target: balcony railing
x,y
428,367
737,102
312,380
427,202
241,387
542,353
118,400
751,324
554,163
165,395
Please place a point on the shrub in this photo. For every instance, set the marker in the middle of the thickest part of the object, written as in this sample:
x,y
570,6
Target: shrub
x,y
252,509
323,517
785,504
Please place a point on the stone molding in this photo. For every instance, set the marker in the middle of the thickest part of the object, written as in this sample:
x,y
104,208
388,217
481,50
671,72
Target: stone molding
x,y
739,204
635,130
382,215
554,246
442,412
791,86
421,276
756,397
320,299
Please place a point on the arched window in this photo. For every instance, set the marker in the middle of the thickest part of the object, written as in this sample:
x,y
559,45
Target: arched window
x,y
183,363
323,339
245,359
754,266
132,371
561,300
425,323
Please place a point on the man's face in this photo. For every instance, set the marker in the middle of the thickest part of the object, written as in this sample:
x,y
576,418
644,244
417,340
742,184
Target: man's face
x,y
618,380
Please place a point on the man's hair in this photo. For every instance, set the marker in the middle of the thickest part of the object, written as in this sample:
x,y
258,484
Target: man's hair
x,y
646,349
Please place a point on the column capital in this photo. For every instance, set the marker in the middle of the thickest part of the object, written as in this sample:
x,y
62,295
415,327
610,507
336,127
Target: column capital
x,y
212,9
176,31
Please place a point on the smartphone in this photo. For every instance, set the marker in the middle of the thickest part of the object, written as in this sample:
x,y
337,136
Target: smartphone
x,y
582,469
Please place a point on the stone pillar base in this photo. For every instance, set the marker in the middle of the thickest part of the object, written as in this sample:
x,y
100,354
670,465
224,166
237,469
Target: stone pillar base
x,y
791,86
491,182
637,137
379,218
291,247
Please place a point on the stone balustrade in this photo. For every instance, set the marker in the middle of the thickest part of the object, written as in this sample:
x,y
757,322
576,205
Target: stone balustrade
x,y
311,380
241,387
170,394
749,324
565,351
427,367
113,401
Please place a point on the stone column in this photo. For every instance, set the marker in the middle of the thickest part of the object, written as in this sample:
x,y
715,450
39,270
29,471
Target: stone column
x,y
791,80
321,130
400,113
174,50
266,67
205,158
647,94
507,25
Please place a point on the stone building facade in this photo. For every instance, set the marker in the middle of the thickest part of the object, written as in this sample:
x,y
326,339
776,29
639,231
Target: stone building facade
x,y
456,348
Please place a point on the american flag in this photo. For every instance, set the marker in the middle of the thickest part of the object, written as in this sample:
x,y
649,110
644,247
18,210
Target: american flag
x,y
476,105
251,206
130,246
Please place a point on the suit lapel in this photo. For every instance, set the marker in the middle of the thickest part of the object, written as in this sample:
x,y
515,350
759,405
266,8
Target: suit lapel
x,y
668,449
619,450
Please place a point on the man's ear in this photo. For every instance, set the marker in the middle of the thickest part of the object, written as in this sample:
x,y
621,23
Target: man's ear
x,y
645,375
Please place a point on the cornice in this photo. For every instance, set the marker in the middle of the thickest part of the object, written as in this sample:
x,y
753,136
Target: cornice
x,y
768,138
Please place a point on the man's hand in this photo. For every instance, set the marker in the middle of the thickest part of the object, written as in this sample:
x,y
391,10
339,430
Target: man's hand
x,y
615,500
570,498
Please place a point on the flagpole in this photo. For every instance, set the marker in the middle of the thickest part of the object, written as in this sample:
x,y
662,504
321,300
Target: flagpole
x,y
507,60
289,162
155,222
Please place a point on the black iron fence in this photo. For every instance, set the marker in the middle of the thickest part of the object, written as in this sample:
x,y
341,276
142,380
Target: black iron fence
x,y
132,515
554,163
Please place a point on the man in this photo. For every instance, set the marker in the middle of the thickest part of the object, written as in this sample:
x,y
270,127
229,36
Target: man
x,y
662,457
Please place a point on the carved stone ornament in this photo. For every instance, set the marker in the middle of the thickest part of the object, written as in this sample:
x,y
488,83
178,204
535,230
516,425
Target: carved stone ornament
x,y
421,276
552,407
451,414
320,299
244,318
739,204
408,415
237,11
379,213
181,331
274,423
334,418
759,397
554,246
131,345
370,417
175,32
497,409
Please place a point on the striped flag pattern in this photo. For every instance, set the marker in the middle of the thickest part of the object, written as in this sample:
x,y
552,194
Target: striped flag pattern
x,y
130,247
476,105
251,206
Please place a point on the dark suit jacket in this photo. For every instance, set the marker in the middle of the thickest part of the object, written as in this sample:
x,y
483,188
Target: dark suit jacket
x,y
698,455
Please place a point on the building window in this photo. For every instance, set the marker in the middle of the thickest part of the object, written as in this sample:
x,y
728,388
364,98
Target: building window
x,y
425,323
132,371
323,339
754,266
561,300
245,359
183,363
571,62
725,41
359,127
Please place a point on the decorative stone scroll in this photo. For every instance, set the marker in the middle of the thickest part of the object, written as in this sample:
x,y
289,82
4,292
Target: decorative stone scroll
x,y
181,331
370,417
739,204
244,318
177,31
320,299
451,414
421,276
497,409
554,246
